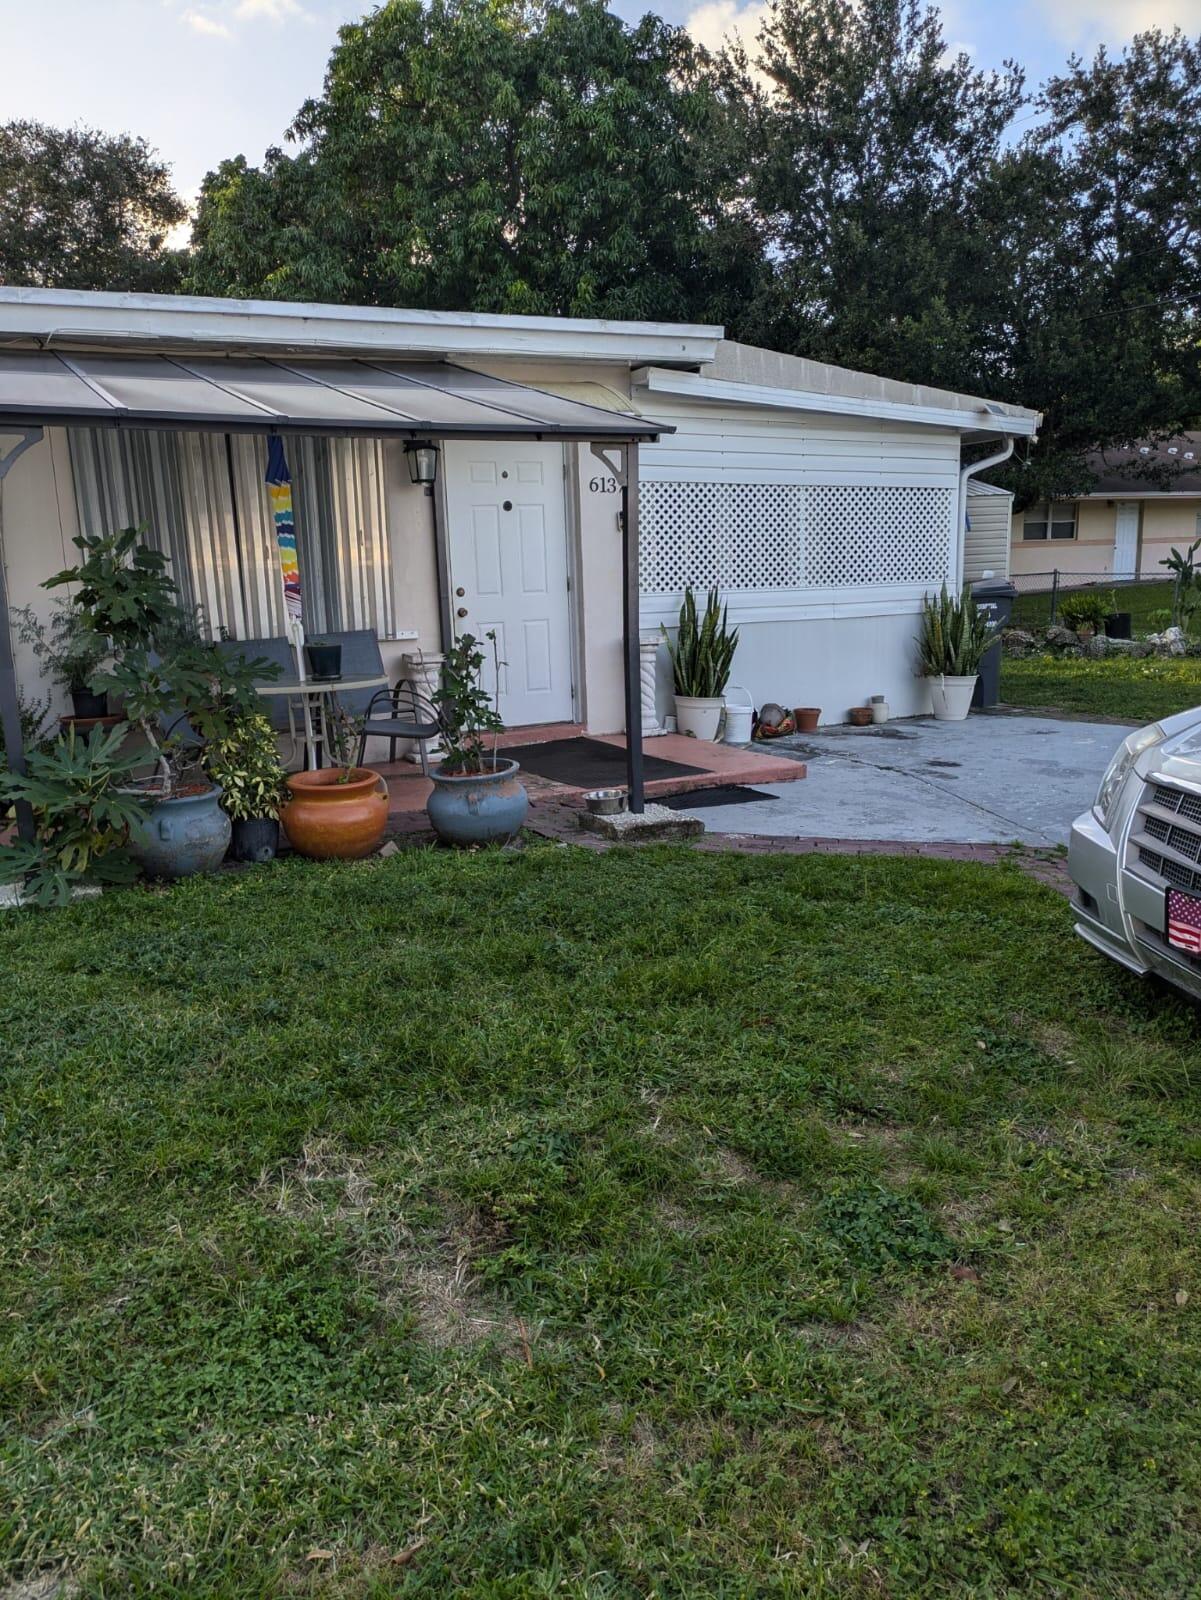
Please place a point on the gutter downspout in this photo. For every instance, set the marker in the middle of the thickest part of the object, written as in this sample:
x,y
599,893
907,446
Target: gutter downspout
x,y
965,473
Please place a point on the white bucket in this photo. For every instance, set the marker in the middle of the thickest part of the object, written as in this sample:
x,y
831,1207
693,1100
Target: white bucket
x,y
740,715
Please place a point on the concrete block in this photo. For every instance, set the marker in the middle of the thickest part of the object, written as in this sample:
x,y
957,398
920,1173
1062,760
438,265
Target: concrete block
x,y
654,825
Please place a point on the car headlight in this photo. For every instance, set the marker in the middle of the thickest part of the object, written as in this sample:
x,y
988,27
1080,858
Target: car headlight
x,y
1118,769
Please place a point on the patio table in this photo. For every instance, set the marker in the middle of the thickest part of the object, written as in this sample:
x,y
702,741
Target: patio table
x,y
315,697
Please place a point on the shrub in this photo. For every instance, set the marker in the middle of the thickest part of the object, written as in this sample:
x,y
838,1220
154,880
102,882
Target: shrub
x,y
1086,610
245,763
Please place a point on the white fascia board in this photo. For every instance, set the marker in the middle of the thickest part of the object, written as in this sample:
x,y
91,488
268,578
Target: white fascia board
x,y
690,386
72,316
1110,495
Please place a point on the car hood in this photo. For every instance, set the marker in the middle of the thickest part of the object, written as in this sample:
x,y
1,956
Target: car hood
x,y
1179,756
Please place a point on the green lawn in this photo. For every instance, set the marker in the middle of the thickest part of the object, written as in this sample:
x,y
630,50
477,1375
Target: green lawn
x,y
1137,691
1145,601
620,1225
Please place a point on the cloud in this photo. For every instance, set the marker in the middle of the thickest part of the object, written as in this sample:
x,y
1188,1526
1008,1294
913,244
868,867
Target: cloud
x,y
201,22
717,21
221,19
1089,22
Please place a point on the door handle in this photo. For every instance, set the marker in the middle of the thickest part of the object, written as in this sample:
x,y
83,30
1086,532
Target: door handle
x,y
460,593
461,612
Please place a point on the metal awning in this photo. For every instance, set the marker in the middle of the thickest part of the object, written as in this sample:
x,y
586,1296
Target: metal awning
x,y
262,394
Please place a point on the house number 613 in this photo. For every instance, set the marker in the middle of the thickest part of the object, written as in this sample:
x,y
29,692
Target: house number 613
x,y
603,485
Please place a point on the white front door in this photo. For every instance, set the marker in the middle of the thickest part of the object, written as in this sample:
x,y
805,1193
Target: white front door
x,y
1125,539
507,549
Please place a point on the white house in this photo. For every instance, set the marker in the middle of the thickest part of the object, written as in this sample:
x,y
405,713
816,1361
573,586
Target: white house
x,y
823,503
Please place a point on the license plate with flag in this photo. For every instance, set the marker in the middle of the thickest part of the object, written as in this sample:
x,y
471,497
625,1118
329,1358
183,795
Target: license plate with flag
x,y
1184,922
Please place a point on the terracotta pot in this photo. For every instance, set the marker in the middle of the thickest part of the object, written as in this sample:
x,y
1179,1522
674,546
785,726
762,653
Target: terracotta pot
x,y
806,718
331,820
860,716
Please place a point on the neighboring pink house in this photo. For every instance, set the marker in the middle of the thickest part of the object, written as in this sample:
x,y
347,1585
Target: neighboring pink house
x,y
1126,525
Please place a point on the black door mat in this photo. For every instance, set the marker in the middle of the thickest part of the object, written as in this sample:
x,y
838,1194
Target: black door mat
x,y
723,794
589,764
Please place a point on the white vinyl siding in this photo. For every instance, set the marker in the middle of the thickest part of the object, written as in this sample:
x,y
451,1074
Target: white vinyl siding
x,y
990,524
786,513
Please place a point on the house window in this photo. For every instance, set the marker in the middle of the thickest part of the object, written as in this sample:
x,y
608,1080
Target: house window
x,y
202,500
1054,521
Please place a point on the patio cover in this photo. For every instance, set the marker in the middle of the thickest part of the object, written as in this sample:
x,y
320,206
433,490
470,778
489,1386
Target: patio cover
x,y
261,394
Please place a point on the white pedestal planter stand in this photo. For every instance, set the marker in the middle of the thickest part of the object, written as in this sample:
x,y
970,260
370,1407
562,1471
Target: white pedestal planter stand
x,y
648,673
425,674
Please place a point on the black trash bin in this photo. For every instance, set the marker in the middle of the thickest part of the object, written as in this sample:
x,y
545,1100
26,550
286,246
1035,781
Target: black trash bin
x,y
994,599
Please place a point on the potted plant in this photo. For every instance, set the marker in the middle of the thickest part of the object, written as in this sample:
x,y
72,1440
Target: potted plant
x,y
1085,613
83,815
245,766
180,694
338,812
951,646
68,650
702,654
477,797
325,659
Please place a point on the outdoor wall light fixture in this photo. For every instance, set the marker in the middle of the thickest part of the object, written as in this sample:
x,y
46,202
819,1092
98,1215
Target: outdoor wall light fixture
x,y
422,457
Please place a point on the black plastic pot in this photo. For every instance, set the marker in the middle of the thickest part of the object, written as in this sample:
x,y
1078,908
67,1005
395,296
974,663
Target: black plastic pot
x,y
86,704
1118,625
254,839
325,660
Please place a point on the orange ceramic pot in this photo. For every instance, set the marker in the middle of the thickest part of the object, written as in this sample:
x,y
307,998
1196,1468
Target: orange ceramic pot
x,y
332,820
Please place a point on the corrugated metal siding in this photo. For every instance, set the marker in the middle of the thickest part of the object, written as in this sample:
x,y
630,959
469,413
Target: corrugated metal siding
x,y
986,541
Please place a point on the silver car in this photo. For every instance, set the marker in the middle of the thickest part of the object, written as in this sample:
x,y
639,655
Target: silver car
x,y
1135,858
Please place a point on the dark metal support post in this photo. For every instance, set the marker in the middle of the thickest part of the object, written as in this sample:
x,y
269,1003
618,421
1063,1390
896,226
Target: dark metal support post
x,y
631,625
10,700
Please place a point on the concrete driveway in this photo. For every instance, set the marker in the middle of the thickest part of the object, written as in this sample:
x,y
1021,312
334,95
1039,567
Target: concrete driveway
x,y
993,779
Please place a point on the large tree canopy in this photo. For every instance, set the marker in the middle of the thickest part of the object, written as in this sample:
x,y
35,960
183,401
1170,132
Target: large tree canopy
x,y
496,155
84,210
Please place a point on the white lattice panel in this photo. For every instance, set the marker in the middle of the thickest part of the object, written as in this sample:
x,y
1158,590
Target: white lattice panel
x,y
858,535
732,535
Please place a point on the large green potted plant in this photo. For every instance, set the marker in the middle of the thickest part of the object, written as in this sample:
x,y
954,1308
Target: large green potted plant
x,y
951,645
69,651
244,763
180,693
477,797
702,654
83,812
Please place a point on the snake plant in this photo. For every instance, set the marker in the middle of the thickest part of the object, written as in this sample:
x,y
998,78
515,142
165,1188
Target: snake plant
x,y
702,652
954,636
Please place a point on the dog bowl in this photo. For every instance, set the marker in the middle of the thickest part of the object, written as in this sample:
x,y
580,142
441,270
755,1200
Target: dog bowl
x,y
605,802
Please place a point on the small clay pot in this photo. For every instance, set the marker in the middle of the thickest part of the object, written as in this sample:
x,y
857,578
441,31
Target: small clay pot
x,y
806,718
860,716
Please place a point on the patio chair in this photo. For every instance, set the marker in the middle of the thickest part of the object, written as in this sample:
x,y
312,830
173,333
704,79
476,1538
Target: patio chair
x,y
409,714
361,658
279,651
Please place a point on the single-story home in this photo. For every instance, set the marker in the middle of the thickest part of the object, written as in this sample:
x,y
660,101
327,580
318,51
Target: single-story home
x,y
823,503
1143,502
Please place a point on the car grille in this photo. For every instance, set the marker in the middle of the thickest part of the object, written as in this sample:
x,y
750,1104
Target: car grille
x,y
1168,837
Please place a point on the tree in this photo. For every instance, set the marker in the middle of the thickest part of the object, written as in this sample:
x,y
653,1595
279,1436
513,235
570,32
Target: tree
x,y
493,154
81,209
867,140
1101,259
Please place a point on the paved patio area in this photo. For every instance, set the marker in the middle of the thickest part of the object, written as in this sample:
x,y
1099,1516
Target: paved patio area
x,y
718,763
994,779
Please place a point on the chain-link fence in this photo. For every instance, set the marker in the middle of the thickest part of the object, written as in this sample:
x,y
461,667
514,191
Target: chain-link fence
x,y
1149,600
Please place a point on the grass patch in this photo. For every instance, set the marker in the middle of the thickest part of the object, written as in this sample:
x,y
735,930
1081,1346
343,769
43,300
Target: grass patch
x,y
632,1224
1136,691
1146,602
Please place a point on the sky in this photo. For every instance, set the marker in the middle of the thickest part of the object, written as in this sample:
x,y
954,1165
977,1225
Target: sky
x,y
205,79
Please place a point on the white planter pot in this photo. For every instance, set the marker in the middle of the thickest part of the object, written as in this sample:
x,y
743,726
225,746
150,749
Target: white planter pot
x,y
699,717
952,697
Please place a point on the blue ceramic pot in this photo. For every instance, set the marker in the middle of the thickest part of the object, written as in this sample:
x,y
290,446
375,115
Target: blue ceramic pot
x,y
477,807
186,834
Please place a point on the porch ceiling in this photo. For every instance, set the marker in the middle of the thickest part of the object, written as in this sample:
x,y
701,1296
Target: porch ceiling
x,y
257,394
